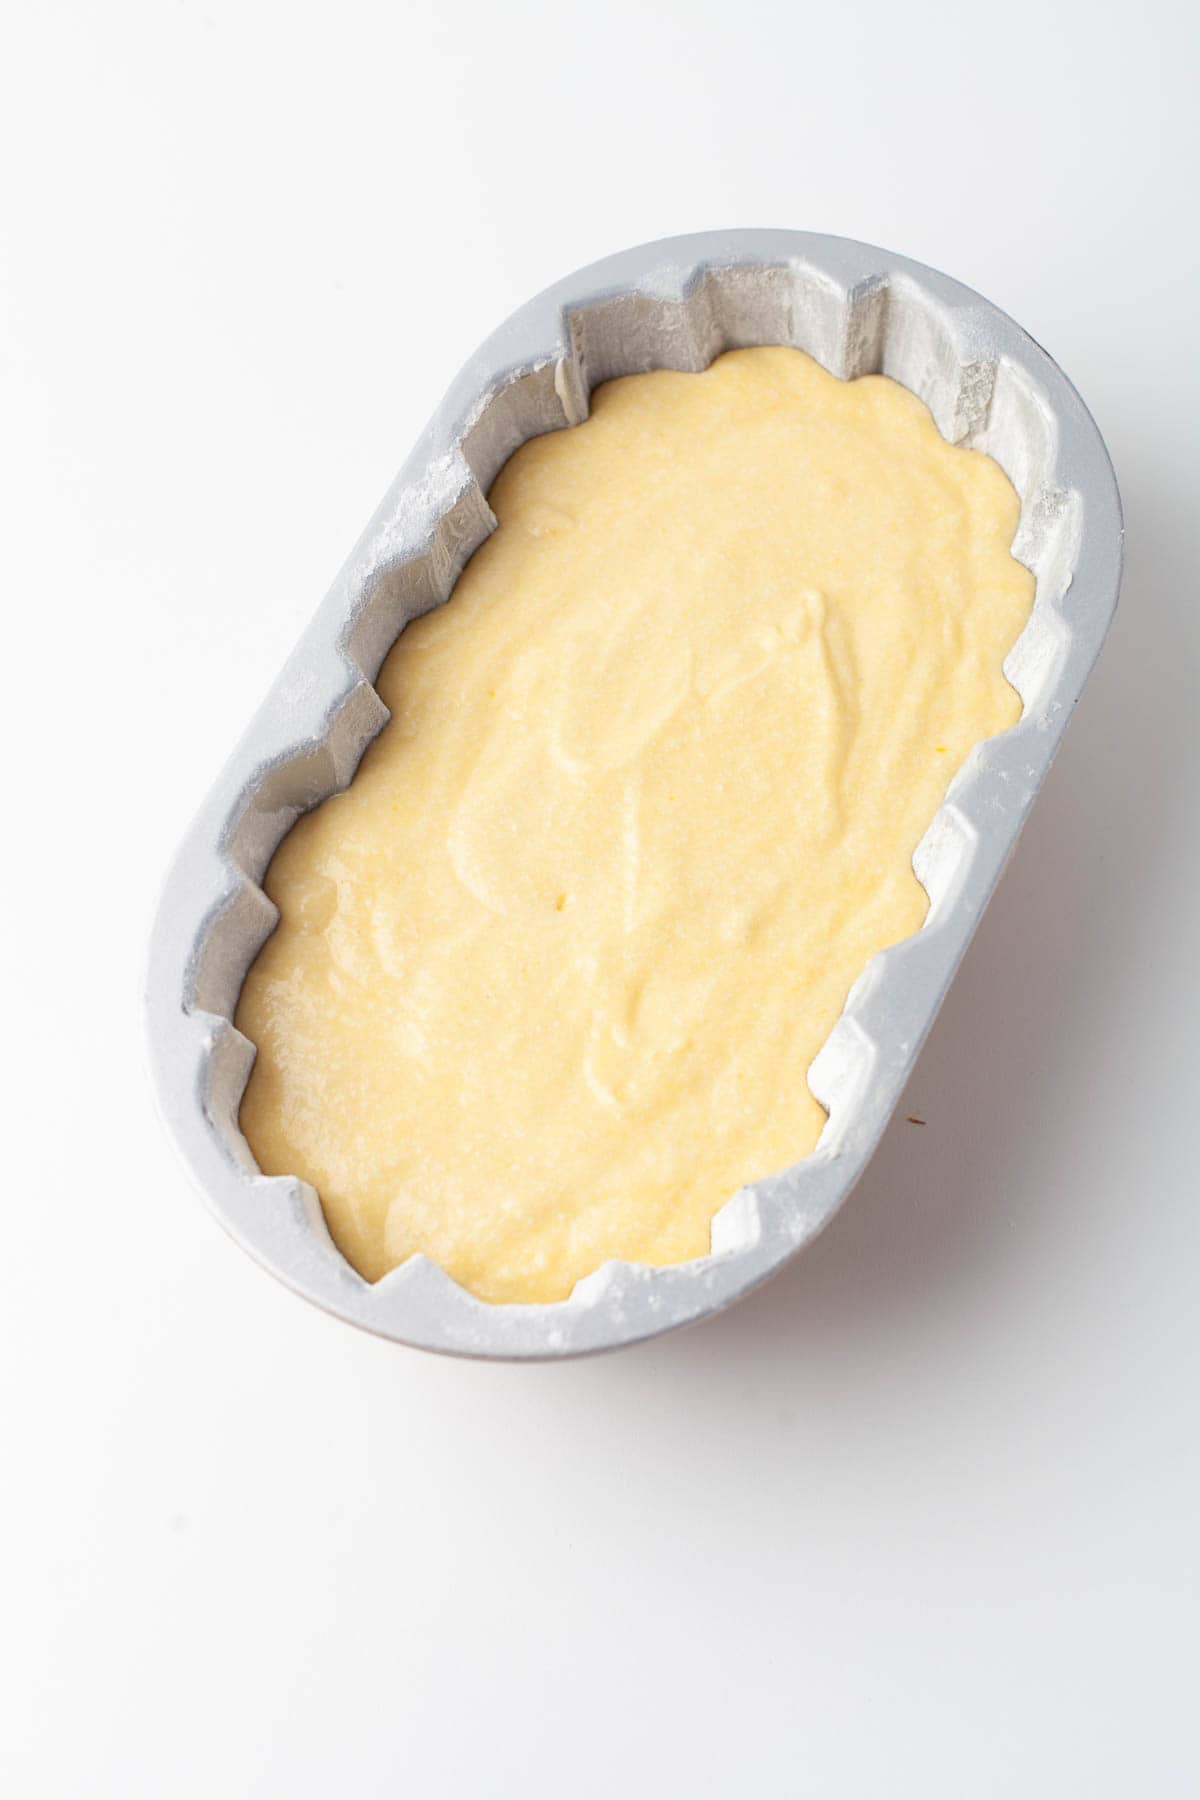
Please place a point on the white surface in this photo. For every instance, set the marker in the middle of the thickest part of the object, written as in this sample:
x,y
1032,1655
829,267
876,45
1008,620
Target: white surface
x,y
920,1518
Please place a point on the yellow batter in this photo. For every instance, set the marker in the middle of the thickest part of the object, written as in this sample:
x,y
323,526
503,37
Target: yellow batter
x,y
551,972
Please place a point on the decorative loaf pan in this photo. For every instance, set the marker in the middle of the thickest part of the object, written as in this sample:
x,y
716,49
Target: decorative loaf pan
x,y
674,304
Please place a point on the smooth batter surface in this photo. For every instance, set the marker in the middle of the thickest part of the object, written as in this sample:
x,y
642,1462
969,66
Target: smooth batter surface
x,y
551,972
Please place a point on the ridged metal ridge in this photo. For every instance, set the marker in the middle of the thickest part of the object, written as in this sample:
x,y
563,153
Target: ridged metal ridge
x,y
673,304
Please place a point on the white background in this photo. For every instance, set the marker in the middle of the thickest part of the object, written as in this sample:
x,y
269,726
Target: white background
x,y
921,1518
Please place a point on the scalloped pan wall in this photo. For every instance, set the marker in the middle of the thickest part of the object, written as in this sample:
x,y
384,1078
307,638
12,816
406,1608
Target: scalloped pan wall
x,y
673,304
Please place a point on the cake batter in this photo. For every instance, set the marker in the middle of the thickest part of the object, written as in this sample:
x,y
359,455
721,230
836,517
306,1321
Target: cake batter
x,y
550,974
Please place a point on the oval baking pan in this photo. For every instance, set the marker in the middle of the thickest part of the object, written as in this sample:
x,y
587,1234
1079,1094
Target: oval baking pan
x,y
673,304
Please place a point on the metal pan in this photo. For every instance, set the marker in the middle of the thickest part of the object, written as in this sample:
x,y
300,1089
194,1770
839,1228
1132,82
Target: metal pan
x,y
673,304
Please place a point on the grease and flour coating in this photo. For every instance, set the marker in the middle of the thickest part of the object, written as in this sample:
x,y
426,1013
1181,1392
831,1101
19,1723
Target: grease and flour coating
x,y
550,974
